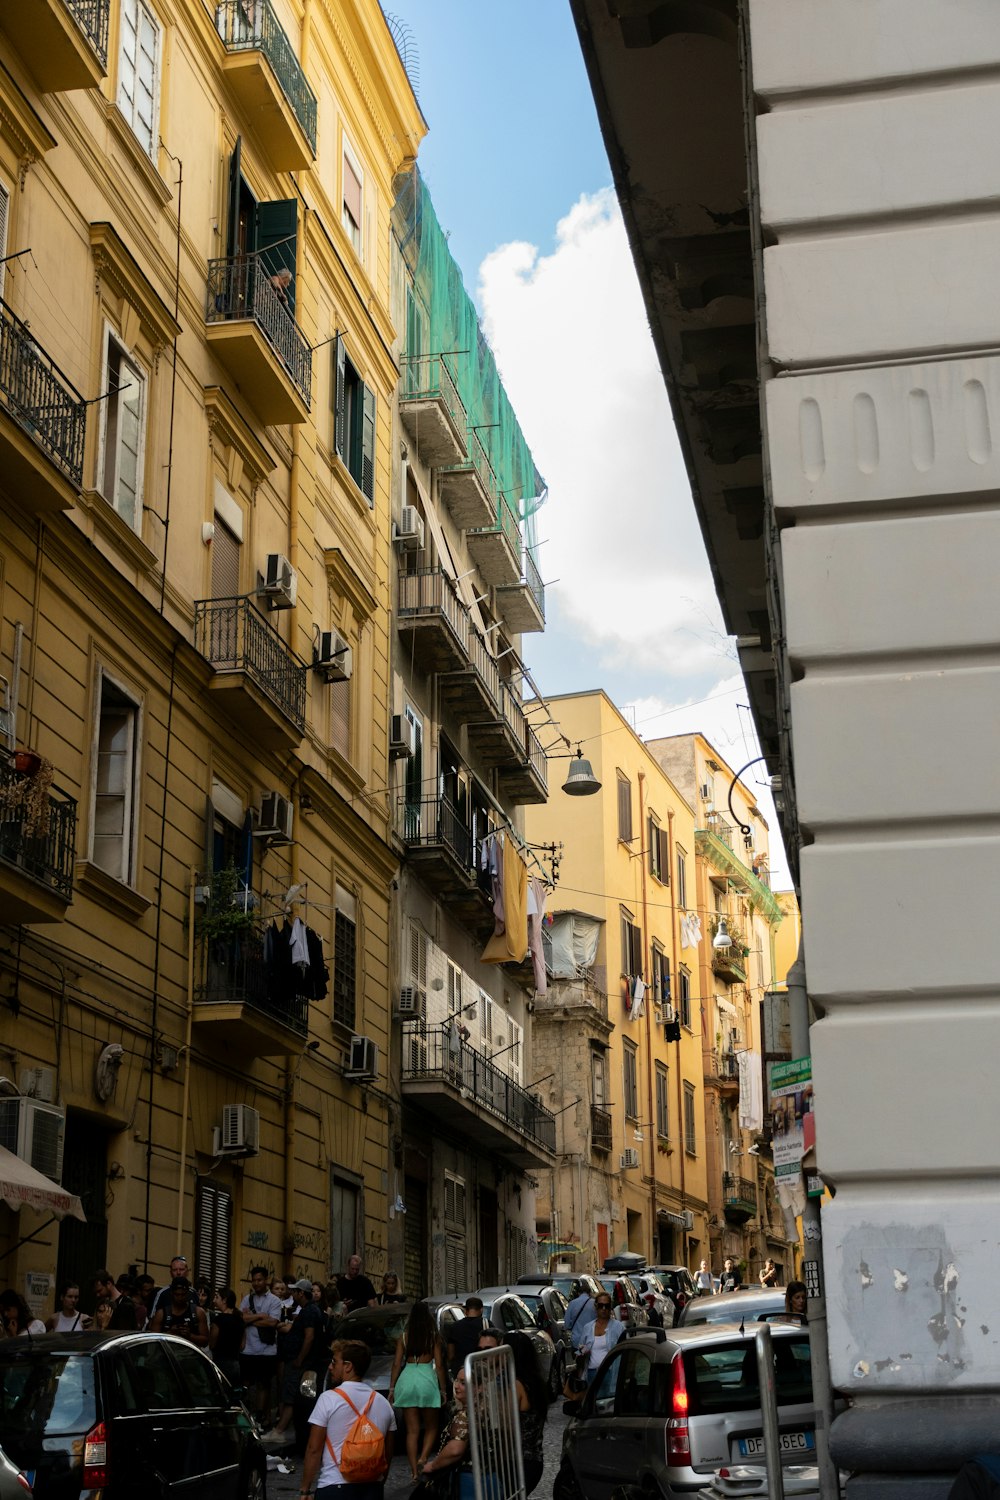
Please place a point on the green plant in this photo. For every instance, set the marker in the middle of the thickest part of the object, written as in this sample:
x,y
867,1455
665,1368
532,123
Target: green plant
x,y
230,911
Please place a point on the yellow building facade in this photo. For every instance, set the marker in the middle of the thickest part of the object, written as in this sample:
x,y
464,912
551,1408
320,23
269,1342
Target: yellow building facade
x,y
195,425
620,1030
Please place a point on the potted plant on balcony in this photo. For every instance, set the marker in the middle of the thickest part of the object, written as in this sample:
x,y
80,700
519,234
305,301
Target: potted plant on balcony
x,y
25,795
230,913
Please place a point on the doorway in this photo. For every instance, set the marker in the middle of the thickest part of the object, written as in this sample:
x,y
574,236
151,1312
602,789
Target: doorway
x,y
489,1237
83,1248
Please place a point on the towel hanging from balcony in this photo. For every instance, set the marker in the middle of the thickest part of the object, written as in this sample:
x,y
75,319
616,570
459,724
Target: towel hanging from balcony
x,y
509,943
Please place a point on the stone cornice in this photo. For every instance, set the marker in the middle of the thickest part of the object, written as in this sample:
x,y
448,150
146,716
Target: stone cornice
x,y
21,125
400,141
345,579
117,266
226,423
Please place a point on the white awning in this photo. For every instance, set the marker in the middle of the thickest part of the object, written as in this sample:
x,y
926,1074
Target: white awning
x,y
22,1187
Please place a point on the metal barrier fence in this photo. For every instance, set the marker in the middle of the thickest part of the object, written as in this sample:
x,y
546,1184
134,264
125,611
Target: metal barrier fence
x,y
494,1425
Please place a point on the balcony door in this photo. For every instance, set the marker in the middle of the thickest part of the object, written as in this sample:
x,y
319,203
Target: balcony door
x,y
489,1237
268,229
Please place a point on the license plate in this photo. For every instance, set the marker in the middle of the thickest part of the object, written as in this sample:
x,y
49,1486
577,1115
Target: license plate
x,y
788,1442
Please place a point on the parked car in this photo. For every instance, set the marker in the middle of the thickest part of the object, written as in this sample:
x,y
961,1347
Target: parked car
x,y
13,1484
380,1327
125,1414
507,1311
548,1306
669,1407
655,1299
679,1286
568,1283
628,1308
735,1307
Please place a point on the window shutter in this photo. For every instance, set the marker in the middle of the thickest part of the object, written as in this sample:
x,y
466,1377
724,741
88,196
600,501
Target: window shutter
x,y
367,480
277,226
340,398
418,956
233,211
4,207
225,562
624,809
340,718
636,966
213,1218
663,873
352,191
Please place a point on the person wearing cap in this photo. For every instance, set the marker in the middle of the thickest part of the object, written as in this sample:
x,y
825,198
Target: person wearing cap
x,y
464,1334
179,1317
301,1337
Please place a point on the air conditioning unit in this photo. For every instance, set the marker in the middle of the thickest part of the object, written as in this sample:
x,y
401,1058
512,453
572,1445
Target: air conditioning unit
x,y
629,1158
362,1060
34,1131
240,1133
402,737
333,657
276,818
706,792
410,531
280,582
412,1003
38,1083
688,1218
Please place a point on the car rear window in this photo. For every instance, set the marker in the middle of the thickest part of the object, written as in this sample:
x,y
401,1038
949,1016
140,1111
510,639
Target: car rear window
x,y
724,1378
380,1334
47,1397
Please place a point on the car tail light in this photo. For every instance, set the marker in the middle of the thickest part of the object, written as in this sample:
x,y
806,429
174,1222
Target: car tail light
x,y
95,1458
24,1483
680,1300
678,1434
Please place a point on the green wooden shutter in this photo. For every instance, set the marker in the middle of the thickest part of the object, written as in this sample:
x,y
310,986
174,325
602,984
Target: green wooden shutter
x,y
233,210
340,398
275,237
367,477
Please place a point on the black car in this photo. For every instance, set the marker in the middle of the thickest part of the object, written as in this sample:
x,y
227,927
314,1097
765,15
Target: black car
x,y
126,1415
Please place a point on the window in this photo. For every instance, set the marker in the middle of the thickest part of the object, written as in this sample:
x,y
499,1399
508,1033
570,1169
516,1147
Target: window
x,y
123,420
4,215
634,1387
662,1102
684,997
516,1038
354,422
630,1079
455,1223
681,879
340,717
690,1144
346,1217
345,937
213,1228
659,851
661,976
353,194
631,945
598,1073
226,553
114,782
624,809
138,72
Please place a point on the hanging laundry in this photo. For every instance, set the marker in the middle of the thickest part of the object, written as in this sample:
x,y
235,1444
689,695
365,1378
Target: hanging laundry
x,y
536,918
751,1091
690,931
509,943
299,946
637,1006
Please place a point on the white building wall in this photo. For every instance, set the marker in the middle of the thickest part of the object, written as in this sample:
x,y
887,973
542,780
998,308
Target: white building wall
x,y
881,214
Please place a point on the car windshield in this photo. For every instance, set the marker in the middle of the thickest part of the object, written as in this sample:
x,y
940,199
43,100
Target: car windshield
x,y
48,1397
379,1333
725,1378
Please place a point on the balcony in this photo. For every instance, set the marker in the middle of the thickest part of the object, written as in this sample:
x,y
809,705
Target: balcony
x,y
63,43
739,1198
718,843
470,1096
523,604
525,776
470,489
267,79
43,421
473,693
496,548
721,1069
257,340
439,844
260,682
600,1129
432,623
730,964
37,849
241,1005
431,409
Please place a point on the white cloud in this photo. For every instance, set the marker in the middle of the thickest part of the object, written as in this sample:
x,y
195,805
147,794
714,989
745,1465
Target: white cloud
x,y
572,341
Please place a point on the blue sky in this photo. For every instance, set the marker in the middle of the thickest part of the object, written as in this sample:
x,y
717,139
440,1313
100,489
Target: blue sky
x,y
520,179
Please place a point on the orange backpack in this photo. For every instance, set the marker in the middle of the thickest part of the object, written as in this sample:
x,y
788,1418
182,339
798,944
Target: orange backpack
x,y
362,1454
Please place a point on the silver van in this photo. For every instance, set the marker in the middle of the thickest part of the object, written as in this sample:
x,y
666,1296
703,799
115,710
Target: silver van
x,y
670,1406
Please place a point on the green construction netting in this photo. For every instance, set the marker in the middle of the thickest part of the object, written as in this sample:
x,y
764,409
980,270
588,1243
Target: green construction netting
x,y
442,320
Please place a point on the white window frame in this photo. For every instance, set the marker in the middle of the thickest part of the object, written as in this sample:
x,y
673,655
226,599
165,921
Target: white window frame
x,y
139,10
348,154
110,491
131,788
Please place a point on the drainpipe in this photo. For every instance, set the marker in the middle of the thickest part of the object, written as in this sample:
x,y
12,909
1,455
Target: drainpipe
x,y
291,1070
677,986
186,1104
654,1257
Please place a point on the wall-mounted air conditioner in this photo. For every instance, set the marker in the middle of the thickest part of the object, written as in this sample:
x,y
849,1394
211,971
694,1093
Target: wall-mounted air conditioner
x,y
410,531
240,1133
333,657
34,1131
629,1158
38,1083
362,1060
706,791
276,818
280,582
402,736
412,1003
688,1218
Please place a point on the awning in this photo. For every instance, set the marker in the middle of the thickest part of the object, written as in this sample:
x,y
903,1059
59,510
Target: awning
x,y
22,1187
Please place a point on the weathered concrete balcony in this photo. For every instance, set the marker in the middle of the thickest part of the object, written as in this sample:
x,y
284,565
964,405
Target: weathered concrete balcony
x,y
470,489
718,843
739,1198
267,78
431,409
243,1007
254,336
469,1094
522,604
37,853
43,421
64,43
473,692
509,743
496,548
260,681
432,623
600,1129
439,844
722,1071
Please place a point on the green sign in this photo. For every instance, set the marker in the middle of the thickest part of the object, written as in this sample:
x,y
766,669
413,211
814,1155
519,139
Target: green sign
x,y
791,1075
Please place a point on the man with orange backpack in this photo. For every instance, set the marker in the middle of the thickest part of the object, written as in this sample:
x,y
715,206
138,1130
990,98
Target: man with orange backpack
x,y
351,1436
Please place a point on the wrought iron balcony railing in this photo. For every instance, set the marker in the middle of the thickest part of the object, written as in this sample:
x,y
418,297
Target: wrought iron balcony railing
x,y
600,1128
438,1052
239,288
44,850
479,461
39,398
92,18
235,637
739,1193
428,377
431,592
506,522
533,580
234,973
252,26
435,821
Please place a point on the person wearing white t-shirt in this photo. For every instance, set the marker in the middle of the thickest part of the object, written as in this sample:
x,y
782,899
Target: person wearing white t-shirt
x,y
332,1419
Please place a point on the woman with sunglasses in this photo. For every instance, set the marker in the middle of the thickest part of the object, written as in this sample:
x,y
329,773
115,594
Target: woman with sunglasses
x,y
594,1340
